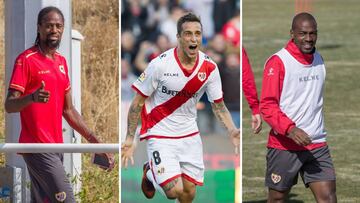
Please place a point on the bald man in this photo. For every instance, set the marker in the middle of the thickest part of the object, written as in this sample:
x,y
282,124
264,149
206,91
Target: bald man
x,y
292,104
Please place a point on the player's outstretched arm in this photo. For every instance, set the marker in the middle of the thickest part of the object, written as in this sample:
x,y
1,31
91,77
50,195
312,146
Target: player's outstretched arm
x,y
127,147
224,117
15,102
76,121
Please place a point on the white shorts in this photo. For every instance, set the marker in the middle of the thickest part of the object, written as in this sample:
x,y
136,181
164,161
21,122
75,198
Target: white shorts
x,y
173,158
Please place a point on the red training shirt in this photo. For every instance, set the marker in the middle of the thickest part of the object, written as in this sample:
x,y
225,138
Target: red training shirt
x,y
41,122
272,86
248,84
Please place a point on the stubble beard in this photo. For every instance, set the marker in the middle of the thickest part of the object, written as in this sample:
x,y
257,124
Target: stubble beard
x,y
54,44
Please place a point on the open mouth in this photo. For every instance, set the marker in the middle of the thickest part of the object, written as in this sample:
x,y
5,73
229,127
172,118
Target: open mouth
x,y
53,36
308,46
192,47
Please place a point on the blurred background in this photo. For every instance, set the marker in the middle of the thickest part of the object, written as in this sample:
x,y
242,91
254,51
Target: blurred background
x,y
98,22
266,26
148,28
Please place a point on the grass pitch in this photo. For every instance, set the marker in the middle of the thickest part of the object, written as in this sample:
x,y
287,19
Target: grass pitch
x,y
266,26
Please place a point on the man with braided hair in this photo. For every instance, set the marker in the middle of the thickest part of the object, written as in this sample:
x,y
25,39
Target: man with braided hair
x,y
40,90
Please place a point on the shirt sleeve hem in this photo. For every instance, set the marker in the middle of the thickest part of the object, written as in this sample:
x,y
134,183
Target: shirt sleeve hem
x,y
292,126
17,87
68,88
138,91
218,100
255,110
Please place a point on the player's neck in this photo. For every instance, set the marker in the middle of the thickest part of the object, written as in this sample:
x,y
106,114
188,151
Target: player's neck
x,y
47,51
186,61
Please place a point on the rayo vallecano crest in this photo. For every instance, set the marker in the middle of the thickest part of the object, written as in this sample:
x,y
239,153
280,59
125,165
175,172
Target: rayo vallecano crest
x,y
202,76
61,68
161,170
275,178
61,196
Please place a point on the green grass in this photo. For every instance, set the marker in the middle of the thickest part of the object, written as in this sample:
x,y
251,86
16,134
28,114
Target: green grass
x,y
266,26
211,192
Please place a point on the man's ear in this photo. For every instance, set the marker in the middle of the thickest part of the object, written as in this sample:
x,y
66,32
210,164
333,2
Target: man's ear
x,y
178,38
292,34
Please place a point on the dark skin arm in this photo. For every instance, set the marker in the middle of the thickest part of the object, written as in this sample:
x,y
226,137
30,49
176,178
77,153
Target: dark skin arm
x,y
15,102
75,120
299,136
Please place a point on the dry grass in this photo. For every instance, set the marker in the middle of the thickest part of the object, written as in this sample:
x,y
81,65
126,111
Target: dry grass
x,y
2,78
97,21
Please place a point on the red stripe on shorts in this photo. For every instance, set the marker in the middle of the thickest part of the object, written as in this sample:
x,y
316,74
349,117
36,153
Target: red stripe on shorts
x,y
192,179
169,180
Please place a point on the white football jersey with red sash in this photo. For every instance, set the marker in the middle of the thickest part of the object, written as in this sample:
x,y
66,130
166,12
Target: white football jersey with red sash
x,y
170,110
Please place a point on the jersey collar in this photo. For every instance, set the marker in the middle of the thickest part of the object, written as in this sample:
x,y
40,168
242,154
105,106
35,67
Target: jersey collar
x,y
187,73
305,59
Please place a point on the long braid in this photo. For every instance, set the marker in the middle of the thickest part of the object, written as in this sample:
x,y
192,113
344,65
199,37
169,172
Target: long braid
x,y
37,40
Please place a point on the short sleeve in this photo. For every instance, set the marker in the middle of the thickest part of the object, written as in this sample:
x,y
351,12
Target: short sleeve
x,y
213,88
67,80
20,75
147,82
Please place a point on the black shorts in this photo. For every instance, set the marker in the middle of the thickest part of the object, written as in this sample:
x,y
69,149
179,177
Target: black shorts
x,y
284,166
49,182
